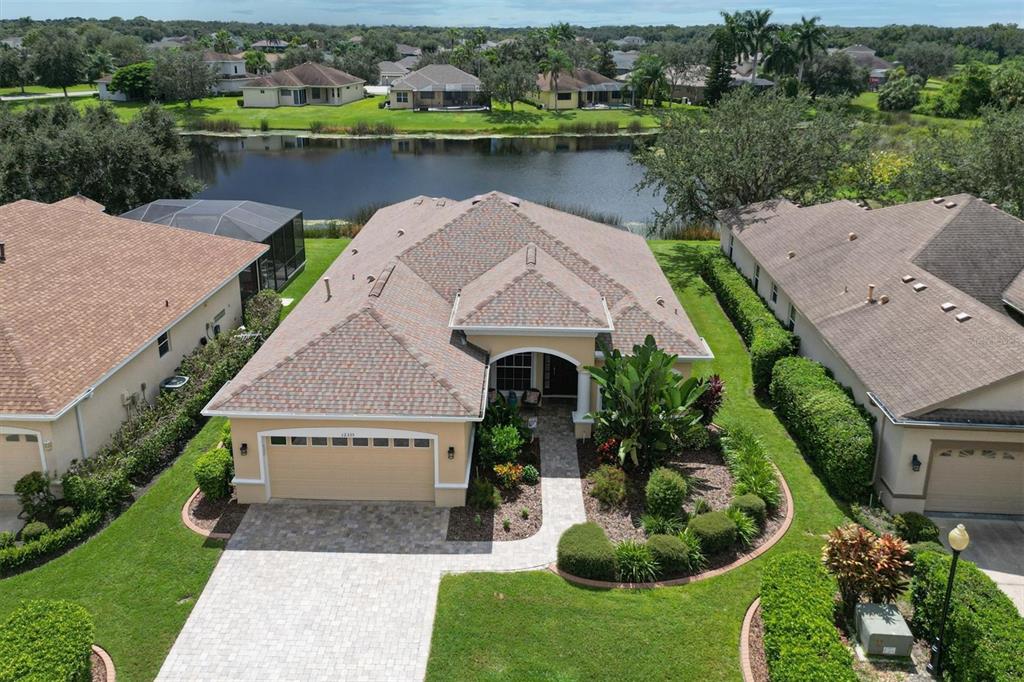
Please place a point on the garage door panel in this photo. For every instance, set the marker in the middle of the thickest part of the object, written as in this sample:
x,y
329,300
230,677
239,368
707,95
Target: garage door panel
x,y
983,478
348,473
17,458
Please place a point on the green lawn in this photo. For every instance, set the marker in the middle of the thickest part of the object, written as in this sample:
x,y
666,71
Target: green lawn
x,y
41,90
319,254
493,626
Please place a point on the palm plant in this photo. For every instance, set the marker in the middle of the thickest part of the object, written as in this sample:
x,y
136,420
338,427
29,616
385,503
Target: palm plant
x,y
559,34
555,63
256,62
453,34
646,404
648,78
783,55
757,32
729,37
810,38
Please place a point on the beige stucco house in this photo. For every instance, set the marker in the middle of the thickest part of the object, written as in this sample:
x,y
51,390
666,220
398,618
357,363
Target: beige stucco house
x,y
910,307
371,389
579,88
96,311
437,87
307,83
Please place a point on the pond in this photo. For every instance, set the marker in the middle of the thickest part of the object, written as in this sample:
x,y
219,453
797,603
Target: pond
x,y
334,178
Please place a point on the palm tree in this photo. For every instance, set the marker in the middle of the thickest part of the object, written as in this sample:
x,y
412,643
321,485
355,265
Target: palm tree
x,y
729,37
222,42
554,64
648,78
757,33
256,62
453,34
783,55
810,38
559,34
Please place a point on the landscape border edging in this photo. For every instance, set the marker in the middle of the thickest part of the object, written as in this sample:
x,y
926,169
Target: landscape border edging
x,y
748,619
764,547
108,662
187,520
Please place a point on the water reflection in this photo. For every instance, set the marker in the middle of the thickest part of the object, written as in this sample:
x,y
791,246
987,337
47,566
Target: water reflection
x,y
328,178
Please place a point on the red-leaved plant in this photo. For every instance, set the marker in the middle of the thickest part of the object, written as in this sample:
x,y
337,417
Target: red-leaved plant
x,y
867,566
608,452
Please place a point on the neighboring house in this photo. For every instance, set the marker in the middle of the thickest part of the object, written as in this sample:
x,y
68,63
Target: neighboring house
x,y
171,42
106,94
690,85
624,61
280,229
905,305
231,69
272,45
630,42
306,83
409,63
371,389
97,311
579,88
408,50
865,57
437,87
390,72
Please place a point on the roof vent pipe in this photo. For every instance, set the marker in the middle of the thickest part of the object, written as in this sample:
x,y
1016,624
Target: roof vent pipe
x,y
852,236
871,293
327,285
791,255
401,232
883,299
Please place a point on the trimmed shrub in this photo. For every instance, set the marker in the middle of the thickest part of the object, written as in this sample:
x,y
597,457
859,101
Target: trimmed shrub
x,y
34,531
483,494
34,496
213,471
746,527
530,475
798,611
225,437
920,547
263,312
757,325
655,524
665,493
715,531
751,505
826,423
695,437
63,516
608,485
750,466
14,559
105,486
635,563
914,527
500,444
47,640
671,554
6,539
585,551
984,638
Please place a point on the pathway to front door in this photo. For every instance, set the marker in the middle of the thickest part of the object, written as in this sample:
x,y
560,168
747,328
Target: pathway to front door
x,y
347,591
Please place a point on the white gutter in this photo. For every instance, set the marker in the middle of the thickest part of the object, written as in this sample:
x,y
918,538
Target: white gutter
x,y
910,421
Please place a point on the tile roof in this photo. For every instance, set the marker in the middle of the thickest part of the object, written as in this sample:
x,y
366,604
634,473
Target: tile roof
x,y
909,352
408,63
79,203
577,79
437,78
396,288
307,74
212,56
250,220
960,416
387,67
83,291
1014,293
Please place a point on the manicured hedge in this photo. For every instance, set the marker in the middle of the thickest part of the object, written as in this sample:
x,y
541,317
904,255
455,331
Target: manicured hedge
x,y
263,312
715,531
213,471
47,641
585,551
798,602
984,633
17,558
672,555
760,329
823,419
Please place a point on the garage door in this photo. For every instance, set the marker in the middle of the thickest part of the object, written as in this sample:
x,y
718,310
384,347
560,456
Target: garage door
x,y
19,455
318,467
983,478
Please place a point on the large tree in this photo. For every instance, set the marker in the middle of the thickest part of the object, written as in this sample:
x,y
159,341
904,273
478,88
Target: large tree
x,y
509,81
836,75
360,62
256,62
125,49
48,153
811,37
57,57
648,79
134,80
925,59
181,75
14,67
756,30
751,147
1008,84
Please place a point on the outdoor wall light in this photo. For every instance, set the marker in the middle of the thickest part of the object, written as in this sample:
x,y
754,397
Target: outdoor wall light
x,y
243,449
915,463
451,452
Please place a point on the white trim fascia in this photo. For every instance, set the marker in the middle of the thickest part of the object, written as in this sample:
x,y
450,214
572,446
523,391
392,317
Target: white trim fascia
x,y
598,355
39,441
607,314
533,331
1017,308
362,417
912,422
455,309
131,356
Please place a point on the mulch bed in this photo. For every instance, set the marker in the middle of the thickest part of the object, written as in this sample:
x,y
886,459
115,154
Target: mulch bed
x,y
709,479
99,671
217,516
463,523
758,659
881,669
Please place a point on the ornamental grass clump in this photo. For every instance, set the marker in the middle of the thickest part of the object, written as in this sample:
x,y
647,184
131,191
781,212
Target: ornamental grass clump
x,y
635,563
751,467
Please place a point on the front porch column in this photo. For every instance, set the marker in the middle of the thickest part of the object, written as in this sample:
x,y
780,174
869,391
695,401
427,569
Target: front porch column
x,y
582,391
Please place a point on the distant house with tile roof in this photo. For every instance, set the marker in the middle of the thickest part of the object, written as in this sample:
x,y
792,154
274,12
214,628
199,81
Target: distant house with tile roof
x,y
911,307
307,83
97,311
373,386
438,87
389,72
579,88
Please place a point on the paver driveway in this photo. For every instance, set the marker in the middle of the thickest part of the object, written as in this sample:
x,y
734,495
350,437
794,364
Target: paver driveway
x,y
348,591
997,547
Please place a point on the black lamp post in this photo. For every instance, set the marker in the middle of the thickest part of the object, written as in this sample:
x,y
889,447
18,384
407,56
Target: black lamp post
x,y
958,540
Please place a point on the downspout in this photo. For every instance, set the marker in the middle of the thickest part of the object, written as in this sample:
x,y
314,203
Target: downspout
x,y
81,424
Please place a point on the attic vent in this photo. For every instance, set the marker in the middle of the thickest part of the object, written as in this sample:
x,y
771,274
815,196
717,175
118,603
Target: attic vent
x,y
477,199
962,317
370,278
907,279
418,201
355,251
439,203
660,301
515,201
938,200
883,299
950,204
400,233
852,236
791,255
385,274
531,255
920,286
947,306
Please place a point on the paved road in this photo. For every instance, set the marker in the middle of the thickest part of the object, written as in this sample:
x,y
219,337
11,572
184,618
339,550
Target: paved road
x,y
46,95
348,591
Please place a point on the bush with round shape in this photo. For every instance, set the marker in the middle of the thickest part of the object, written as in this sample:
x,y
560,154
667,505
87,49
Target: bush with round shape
x,y
47,640
751,505
500,444
34,531
655,524
225,436
746,526
608,485
715,531
672,555
665,492
33,491
213,471
483,494
635,563
530,475
914,527
585,551
263,312
6,539
63,516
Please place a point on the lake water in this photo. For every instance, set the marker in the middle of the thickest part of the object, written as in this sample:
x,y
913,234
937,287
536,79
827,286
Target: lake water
x,y
334,178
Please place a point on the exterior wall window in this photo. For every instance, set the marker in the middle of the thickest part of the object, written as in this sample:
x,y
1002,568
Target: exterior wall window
x,y
427,95
514,372
339,442
163,343
732,242
791,322
286,93
421,442
316,93
278,440
775,293
12,438
402,97
757,277
298,440
565,96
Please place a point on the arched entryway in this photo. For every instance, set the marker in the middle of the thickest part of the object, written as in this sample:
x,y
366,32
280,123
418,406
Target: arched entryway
x,y
553,372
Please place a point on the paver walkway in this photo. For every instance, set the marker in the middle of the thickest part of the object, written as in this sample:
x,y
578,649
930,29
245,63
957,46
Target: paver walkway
x,y
341,591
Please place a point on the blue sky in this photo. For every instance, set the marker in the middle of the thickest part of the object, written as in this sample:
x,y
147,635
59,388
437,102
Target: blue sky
x,y
525,12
